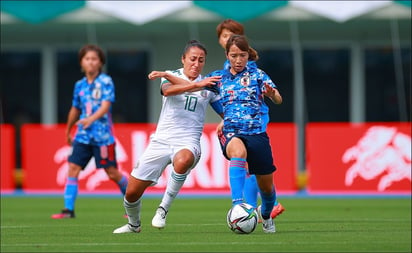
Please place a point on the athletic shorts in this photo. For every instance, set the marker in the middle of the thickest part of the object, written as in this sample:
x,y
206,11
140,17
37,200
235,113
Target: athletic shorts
x,y
104,156
158,155
259,152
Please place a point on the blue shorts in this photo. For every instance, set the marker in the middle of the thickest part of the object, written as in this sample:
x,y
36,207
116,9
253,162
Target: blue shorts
x,y
104,156
259,152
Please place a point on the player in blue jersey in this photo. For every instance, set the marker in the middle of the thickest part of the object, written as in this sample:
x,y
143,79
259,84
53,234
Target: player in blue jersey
x,y
91,111
224,30
244,139
176,140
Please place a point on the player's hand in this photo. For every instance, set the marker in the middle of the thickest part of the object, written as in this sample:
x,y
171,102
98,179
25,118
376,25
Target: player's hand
x,y
219,129
69,140
272,93
209,81
85,122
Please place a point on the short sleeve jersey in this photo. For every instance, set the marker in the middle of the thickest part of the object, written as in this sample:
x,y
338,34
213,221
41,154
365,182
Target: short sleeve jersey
x,y
244,107
182,116
88,99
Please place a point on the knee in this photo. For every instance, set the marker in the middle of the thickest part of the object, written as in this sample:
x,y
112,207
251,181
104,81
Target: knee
x,y
131,196
181,165
237,153
74,170
236,148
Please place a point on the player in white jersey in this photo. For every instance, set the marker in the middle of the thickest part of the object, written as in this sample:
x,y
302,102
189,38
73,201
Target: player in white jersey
x,y
177,137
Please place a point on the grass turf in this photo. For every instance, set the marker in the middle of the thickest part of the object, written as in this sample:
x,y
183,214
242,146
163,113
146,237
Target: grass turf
x,y
199,225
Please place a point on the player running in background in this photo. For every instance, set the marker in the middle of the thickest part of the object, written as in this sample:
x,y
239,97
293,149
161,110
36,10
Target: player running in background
x,y
243,136
224,30
91,111
176,140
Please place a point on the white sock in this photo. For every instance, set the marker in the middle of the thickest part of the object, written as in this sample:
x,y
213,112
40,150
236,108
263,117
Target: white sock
x,y
133,211
174,184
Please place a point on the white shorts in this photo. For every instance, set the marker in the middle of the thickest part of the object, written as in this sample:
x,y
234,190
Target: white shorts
x,y
157,156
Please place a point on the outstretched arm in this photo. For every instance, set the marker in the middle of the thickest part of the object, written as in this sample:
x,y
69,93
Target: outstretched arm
x,y
177,85
273,94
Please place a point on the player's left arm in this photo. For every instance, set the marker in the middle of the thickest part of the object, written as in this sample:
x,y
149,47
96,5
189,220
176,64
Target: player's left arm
x,y
270,89
273,94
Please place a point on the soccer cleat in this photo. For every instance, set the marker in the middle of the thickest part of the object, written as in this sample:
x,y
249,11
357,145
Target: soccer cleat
x,y
259,215
159,220
268,224
277,210
128,228
65,214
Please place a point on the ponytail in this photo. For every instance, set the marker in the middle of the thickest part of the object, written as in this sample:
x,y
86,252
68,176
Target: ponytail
x,y
253,54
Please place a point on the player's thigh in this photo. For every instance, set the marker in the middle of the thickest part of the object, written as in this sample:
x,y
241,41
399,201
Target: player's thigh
x,y
152,163
259,154
81,154
236,148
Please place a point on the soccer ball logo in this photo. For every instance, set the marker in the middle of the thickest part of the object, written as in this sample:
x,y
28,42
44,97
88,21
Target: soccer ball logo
x,y
242,218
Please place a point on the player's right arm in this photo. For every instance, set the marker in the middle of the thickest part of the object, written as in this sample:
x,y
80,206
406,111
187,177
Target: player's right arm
x,y
72,118
175,85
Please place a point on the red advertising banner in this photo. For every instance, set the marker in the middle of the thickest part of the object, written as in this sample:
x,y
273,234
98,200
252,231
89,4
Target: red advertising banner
x,y
7,157
44,159
369,158
283,141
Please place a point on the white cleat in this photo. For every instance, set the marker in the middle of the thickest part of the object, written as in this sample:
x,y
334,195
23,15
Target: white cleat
x,y
159,220
127,229
268,224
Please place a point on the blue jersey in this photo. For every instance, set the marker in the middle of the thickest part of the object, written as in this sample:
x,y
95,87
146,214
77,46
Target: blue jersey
x,y
88,99
244,107
265,108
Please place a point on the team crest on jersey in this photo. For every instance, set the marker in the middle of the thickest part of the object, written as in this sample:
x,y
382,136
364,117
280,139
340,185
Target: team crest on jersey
x,y
203,93
97,92
245,80
229,135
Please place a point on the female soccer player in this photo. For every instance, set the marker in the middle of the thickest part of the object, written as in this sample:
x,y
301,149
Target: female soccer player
x,y
244,139
92,101
224,30
176,140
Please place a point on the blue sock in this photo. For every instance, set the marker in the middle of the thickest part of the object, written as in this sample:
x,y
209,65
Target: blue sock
x,y
250,190
70,192
268,201
237,174
123,184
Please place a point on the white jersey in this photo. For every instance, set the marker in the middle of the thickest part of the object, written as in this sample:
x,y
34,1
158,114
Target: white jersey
x,y
182,116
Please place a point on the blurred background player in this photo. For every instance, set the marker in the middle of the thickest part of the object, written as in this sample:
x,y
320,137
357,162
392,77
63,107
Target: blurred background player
x,y
242,133
91,111
176,140
224,30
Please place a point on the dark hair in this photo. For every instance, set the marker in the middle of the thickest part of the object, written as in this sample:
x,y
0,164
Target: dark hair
x,y
241,42
193,43
230,24
91,47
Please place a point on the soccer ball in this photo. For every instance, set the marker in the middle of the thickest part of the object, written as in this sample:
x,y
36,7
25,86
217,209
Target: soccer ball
x,y
242,218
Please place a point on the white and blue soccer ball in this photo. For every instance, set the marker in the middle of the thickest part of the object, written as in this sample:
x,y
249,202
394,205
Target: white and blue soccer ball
x,y
242,218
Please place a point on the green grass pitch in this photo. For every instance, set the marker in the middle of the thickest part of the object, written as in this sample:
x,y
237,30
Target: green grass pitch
x,y
309,224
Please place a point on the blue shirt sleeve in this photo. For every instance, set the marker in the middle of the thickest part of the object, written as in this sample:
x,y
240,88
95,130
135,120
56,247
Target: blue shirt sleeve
x,y
217,107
